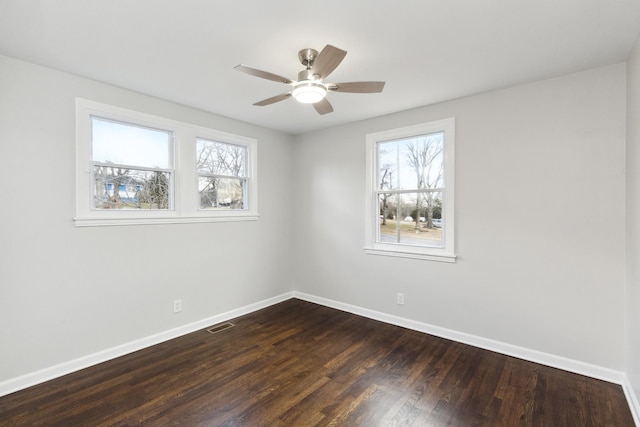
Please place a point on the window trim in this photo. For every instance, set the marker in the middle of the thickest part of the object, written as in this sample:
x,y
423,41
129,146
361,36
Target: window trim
x,y
185,206
446,253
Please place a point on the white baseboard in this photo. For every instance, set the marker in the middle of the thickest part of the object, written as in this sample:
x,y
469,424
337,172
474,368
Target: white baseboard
x,y
31,379
594,371
632,398
575,366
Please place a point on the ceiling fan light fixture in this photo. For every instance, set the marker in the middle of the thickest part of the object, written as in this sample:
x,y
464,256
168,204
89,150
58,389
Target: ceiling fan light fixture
x,y
310,87
309,92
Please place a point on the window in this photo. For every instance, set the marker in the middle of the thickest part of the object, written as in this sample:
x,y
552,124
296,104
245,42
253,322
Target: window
x,y
222,175
410,173
131,166
135,168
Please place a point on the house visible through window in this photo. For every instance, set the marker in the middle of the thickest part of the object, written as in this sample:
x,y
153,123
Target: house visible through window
x,y
410,207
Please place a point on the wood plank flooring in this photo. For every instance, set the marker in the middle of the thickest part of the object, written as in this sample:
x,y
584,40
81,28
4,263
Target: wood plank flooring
x,y
301,364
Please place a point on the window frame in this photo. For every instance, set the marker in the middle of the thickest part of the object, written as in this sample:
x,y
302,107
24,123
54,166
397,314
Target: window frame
x,y
184,187
446,253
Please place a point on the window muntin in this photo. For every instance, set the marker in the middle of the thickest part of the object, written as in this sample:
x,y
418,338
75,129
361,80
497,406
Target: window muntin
x,y
410,174
222,179
130,166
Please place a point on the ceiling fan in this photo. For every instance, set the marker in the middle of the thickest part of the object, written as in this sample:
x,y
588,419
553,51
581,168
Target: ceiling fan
x,y
310,87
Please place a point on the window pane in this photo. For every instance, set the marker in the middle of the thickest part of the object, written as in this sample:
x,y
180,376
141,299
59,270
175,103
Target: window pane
x,y
126,144
124,188
411,163
411,218
388,165
221,193
219,158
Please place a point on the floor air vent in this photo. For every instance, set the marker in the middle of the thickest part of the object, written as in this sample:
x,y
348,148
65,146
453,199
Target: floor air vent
x,y
220,328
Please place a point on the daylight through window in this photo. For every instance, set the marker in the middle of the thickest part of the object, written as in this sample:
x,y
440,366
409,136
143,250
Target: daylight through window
x,y
131,166
410,210
411,181
222,178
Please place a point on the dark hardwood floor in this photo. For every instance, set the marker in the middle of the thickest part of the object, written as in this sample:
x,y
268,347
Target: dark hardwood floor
x,y
301,364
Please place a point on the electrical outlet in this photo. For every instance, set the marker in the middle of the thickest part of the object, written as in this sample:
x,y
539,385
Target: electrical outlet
x,y
400,298
177,306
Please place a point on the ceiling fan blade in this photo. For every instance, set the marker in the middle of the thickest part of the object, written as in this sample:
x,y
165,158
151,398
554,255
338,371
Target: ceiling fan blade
x,y
327,61
273,99
356,87
262,74
323,107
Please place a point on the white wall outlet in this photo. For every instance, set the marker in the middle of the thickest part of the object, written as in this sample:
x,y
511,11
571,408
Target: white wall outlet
x,y
177,306
400,298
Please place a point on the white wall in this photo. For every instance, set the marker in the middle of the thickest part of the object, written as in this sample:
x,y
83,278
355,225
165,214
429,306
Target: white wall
x,y
633,219
539,211
68,292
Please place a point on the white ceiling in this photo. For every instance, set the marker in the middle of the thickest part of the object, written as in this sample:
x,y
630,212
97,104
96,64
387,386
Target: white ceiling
x,y
426,50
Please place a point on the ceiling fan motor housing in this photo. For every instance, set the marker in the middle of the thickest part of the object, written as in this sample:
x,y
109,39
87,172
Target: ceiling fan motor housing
x,y
307,57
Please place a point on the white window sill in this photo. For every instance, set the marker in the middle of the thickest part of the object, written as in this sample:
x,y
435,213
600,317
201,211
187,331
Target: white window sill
x,y
102,222
412,254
